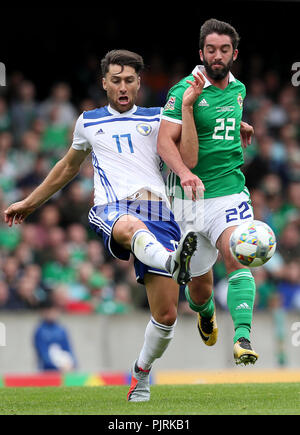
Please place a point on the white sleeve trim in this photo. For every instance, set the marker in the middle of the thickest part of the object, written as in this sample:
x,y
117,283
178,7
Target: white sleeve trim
x,y
79,140
81,147
175,121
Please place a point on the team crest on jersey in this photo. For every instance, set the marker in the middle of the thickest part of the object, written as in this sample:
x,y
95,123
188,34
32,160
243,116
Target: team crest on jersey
x,y
144,129
240,100
170,104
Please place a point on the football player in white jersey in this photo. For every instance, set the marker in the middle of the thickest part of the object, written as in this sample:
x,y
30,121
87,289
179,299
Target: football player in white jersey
x,y
130,211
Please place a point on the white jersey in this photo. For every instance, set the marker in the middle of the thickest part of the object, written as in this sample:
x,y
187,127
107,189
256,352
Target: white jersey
x,y
124,151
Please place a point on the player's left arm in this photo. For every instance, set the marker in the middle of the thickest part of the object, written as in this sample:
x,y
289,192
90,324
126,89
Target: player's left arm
x,y
168,137
246,131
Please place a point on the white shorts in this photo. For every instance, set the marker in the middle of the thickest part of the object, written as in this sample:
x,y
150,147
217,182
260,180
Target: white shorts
x,y
210,217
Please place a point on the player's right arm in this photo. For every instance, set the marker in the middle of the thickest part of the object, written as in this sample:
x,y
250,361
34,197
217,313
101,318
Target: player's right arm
x,y
60,175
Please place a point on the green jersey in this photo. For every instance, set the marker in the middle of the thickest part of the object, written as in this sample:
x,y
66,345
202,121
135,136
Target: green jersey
x,y
217,115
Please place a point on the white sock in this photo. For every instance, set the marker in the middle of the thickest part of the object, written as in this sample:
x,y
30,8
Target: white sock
x,y
148,250
157,339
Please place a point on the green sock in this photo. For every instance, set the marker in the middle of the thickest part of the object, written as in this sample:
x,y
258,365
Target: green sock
x,y
206,310
240,301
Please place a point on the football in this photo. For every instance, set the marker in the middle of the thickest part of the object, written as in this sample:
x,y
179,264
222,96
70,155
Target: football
x,y
253,243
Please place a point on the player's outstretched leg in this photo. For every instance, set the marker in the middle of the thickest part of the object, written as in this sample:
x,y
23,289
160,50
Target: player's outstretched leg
x,y
180,260
132,234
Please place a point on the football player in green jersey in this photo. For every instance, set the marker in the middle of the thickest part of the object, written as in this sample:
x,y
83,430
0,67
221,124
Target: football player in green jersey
x,y
200,141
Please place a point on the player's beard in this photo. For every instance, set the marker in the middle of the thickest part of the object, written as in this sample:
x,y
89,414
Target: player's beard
x,y
217,74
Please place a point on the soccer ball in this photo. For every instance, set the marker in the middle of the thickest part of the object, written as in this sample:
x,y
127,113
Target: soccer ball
x,y
253,243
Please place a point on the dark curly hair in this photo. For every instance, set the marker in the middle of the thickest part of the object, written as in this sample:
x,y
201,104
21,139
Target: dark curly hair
x,y
221,28
122,58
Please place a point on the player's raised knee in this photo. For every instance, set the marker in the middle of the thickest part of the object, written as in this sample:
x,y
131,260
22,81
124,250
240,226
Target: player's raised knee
x,y
168,317
124,230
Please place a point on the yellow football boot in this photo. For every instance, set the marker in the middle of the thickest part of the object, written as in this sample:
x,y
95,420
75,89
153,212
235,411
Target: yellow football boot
x,y
243,352
208,329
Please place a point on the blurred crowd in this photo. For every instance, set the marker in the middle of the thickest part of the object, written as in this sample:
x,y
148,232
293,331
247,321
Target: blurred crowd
x,y
55,254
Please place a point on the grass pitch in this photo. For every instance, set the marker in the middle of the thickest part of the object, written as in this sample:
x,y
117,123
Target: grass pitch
x,y
228,399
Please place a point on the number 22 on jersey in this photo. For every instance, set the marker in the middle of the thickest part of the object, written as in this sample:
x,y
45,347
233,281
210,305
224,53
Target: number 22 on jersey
x,y
221,128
